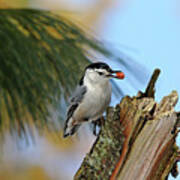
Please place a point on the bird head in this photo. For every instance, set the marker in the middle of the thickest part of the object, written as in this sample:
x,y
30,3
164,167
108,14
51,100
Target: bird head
x,y
101,72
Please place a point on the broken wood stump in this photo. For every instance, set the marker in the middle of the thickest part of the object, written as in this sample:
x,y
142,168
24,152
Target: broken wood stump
x,y
136,141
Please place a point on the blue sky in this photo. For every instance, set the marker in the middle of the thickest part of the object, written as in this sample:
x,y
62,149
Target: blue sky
x,y
150,29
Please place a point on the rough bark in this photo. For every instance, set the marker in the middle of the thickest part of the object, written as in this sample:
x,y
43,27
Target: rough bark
x,y
136,141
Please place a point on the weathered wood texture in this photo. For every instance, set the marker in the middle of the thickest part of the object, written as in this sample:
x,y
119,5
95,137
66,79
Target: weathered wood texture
x,y
136,141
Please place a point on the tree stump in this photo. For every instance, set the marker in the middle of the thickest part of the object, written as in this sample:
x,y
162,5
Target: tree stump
x,y
136,141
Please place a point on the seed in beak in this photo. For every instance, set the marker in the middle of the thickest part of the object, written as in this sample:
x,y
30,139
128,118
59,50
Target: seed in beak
x,y
120,75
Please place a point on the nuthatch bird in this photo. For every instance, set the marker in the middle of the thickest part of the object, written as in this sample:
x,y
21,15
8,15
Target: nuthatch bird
x,y
91,97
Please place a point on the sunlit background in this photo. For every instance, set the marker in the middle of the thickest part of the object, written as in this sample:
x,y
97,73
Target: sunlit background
x,y
146,31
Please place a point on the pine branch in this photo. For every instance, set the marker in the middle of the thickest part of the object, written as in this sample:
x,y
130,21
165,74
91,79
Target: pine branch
x,y
137,140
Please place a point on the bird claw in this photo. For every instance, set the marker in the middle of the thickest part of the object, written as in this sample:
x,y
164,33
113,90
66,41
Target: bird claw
x,y
98,123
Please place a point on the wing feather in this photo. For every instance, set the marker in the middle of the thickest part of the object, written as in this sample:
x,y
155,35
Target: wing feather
x,y
78,94
76,98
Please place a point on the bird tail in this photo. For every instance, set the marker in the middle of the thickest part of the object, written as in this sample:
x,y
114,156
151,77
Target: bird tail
x,y
70,129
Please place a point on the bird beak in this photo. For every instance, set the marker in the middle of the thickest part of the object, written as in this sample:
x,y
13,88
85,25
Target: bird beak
x,y
117,74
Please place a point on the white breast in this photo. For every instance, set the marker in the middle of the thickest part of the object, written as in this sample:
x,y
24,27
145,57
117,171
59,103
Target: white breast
x,y
95,101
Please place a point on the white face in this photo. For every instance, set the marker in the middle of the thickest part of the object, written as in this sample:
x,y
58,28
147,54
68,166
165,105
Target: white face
x,y
96,76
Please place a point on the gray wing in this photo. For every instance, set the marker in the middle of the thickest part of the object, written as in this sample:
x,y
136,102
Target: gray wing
x,y
75,99
74,102
78,94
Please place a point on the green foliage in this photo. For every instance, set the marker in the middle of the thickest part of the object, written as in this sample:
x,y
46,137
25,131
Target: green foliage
x,y
41,57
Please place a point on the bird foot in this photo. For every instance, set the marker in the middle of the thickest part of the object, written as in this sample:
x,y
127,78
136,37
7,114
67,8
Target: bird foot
x,y
98,123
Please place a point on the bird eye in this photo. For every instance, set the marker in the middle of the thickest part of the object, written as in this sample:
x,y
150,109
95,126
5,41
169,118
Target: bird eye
x,y
100,73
